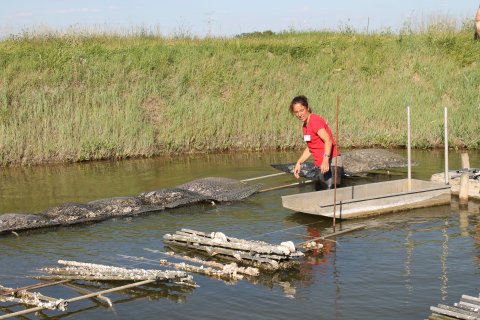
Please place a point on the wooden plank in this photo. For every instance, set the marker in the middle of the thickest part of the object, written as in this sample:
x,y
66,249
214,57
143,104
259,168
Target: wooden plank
x,y
212,249
467,306
236,245
91,271
229,239
435,316
74,276
223,274
251,271
225,252
470,299
454,312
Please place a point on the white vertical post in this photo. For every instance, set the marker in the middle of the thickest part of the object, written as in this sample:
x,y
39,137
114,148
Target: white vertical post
x,y
409,151
465,160
445,121
463,191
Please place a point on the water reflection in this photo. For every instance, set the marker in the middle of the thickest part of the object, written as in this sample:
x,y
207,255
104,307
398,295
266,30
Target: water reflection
x,y
443,260
414,223
150,292
474,221
469,223
409,246
287,280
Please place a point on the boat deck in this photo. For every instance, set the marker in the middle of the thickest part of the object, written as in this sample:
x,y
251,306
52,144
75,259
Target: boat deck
x,y
370,199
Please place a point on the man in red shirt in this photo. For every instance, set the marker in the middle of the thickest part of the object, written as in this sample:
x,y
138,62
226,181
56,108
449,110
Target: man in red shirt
x,y
320,144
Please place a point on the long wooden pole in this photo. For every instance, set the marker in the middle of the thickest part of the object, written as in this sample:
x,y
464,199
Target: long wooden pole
x,y
336,167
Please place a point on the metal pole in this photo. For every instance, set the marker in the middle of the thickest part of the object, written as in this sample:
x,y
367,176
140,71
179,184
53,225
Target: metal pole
x,y
262,177
445,121
335,173
286,185
409,151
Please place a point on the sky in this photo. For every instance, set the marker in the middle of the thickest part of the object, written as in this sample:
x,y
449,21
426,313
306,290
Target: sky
x,y
225,17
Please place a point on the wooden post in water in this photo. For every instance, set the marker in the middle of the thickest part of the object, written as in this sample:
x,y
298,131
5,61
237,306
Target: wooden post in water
x,y
465,160
445,120
409,151
464,180
463,191
335,173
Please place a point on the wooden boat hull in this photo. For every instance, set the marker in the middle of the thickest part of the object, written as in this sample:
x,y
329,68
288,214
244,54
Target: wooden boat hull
x,y
370,199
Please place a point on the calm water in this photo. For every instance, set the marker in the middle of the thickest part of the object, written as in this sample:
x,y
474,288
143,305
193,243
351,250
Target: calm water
x,y
396,268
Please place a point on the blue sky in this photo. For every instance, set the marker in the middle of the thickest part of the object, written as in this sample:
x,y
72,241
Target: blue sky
x,y
224,17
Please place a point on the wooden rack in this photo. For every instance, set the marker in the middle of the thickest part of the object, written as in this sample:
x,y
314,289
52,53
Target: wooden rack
x,y
468,308
216,244
73,271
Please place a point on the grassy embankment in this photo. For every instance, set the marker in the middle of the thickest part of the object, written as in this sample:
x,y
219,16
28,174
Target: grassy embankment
x,y
75,98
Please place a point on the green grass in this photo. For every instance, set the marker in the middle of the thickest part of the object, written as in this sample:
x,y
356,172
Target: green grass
x,y
78,98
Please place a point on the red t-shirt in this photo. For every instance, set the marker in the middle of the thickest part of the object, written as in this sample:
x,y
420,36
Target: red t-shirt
x,y
314,142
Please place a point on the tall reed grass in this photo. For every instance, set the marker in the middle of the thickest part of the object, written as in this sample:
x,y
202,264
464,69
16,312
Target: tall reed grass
x,y
76,98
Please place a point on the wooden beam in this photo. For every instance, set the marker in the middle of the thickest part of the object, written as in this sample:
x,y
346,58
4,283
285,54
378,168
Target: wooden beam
x,y
455,312
32,287
251,271
223,273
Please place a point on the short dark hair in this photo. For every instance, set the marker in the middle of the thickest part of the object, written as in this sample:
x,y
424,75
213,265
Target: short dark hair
x,y
299,99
